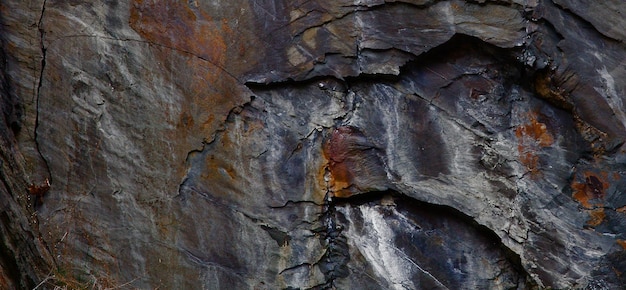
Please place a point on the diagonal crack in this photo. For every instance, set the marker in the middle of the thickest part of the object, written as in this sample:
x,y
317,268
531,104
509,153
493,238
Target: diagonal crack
x,y
235,110
151,43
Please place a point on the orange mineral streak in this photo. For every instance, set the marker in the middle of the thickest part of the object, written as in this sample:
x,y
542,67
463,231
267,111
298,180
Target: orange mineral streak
x,y
596,217
536,131
337,150
193,47
529,159
220,169
177,25
593,188
532,136
224,167
210,94
39,190
622,243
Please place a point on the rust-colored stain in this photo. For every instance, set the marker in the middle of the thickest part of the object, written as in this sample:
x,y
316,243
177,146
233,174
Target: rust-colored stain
x,y
592,135
546,88
535,130
219,169
200,41
181,26
39,190
230,159
337,149
621,209
622,243
529,159
593,188
192,45
589,189
532,136
596,217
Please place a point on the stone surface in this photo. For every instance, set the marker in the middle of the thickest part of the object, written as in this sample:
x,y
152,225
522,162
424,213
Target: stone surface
x,y
25,259
370,144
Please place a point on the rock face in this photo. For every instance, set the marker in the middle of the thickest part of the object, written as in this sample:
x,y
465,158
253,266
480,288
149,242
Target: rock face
x,y
365,144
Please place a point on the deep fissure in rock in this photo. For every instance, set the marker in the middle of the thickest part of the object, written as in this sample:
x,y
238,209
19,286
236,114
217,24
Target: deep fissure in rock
x,y
334,262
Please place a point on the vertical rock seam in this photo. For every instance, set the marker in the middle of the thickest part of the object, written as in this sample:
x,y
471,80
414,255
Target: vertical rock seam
x,y
42,47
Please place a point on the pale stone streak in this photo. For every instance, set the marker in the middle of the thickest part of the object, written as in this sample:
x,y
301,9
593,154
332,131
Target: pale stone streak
x,y
390,263
610,93
183,51
407,258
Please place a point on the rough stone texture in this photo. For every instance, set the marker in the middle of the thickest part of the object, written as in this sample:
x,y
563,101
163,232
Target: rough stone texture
x,y
25,260
365,144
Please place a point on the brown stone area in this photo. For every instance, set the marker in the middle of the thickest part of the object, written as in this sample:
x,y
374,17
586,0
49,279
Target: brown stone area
x,y
547,88
532,137
39,190
342,150
596,217
591,191
182,26
200,53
